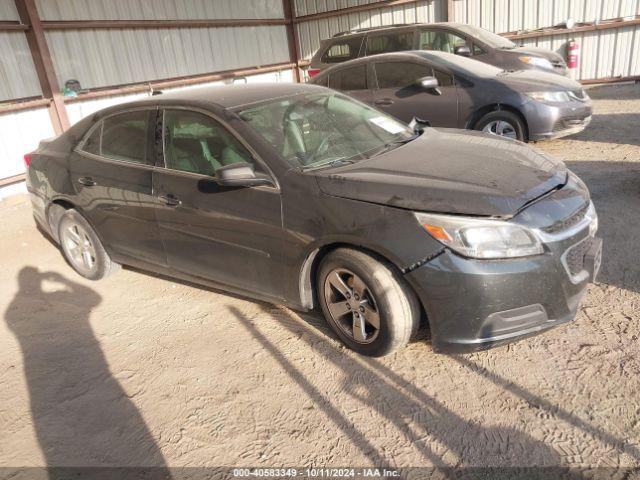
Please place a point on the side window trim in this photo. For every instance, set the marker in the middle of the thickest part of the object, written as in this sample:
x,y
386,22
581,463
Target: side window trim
x,y
232,132
100,124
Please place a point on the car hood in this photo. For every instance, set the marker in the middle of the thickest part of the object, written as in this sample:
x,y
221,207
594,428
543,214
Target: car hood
x,y
449,171
538,52
537,80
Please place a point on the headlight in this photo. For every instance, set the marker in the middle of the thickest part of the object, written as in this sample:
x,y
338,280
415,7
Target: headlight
x,y
549,97
481,238
537,62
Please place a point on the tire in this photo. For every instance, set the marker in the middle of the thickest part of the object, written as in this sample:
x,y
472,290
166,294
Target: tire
x,y
79,242
490,123
377,291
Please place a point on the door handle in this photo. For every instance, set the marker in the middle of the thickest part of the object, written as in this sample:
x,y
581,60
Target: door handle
x,y
384,101
170,200
87,181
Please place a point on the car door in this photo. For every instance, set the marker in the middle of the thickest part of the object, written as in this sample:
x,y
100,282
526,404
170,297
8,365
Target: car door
x,y
111,170
352,80
230,235
398,94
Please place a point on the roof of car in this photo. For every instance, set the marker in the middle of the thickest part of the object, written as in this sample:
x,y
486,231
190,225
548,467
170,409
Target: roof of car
x,y
362,31
233,96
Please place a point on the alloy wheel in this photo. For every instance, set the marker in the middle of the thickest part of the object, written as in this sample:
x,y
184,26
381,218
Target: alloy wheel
x,y
79,248
501,128
352,306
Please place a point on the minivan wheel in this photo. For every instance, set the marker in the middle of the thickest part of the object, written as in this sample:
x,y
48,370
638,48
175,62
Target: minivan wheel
x,y
366,302
503,124
82,248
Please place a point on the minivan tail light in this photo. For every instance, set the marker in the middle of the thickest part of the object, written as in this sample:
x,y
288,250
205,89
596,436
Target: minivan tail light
x,y
27,159
313,72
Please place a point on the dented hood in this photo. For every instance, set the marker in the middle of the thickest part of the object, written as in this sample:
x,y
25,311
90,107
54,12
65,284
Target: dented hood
x,y
449,171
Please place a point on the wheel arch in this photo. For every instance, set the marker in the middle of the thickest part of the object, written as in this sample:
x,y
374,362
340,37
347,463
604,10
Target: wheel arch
x,y
496,107
309,268
55,211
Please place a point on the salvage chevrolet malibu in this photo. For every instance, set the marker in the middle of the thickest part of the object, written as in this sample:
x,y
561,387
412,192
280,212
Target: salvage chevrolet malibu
x,y
300,195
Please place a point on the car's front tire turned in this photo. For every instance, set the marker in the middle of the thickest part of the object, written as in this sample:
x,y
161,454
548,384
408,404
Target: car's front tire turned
x,y
82,248
366,302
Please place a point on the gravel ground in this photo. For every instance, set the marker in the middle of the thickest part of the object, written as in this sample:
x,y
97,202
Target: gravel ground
x,y
142,370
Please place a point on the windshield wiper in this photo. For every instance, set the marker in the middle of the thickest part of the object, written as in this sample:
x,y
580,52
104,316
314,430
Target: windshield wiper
x,y
331,163
395,143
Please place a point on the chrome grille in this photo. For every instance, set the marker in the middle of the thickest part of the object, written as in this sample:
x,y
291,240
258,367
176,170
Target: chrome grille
x,y
568,222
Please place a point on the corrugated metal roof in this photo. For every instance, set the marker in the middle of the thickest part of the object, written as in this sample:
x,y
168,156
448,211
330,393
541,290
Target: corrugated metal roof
x,y
18,77
311,32
157,9
8,10
98,58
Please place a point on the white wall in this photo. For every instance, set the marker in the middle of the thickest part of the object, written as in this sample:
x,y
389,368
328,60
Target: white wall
x,y
21,132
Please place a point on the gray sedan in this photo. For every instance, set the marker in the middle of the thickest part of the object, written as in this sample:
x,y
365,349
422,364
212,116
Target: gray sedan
x,y
452,91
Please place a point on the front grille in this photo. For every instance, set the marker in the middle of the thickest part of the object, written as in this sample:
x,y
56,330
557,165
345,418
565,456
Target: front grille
x,y
568,222
569,122
575,256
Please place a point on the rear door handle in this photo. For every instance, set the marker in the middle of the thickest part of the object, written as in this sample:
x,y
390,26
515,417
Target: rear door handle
x,y
170,200
384,101
87,181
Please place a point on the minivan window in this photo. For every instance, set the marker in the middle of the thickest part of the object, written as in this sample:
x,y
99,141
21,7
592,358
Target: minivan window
x,y
352,78
124,136
389,42
440,40
341,51
400,74
196,143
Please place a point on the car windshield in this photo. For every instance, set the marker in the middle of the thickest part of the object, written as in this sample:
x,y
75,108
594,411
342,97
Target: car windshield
x,y
485,36
314,130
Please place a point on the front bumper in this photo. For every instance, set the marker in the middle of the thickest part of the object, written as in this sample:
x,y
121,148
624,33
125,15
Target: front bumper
x,y
548,122
478,304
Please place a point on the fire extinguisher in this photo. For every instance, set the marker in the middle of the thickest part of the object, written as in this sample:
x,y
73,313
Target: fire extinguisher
x,y
573,57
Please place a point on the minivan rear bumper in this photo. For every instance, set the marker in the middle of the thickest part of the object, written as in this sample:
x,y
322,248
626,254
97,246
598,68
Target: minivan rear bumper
x,y
474,304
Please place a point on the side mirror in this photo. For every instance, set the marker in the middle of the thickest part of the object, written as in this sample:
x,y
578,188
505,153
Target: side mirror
x,y
418,124
427,83
462,50
240,174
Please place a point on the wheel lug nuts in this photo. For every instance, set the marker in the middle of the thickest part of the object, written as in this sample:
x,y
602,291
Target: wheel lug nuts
x,y
348,307
356,314
362,309
348,295
356,296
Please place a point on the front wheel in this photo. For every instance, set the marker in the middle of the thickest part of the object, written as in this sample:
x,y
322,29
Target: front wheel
x,y
366,302
502,123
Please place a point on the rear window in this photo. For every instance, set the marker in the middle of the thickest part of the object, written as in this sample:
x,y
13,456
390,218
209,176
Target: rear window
x,y
389,42
343,50
352,78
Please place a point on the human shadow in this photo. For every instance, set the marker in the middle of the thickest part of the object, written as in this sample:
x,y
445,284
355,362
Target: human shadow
x,y
615,191
84,420
425,423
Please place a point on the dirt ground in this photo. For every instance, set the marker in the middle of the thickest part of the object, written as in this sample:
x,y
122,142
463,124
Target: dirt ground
x,y
142,370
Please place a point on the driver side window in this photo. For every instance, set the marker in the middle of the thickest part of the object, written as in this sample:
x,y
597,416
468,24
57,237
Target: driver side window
x,y
196,143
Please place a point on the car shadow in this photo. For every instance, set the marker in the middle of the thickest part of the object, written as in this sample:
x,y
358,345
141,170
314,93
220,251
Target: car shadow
x,y
424,422
84,421
615,191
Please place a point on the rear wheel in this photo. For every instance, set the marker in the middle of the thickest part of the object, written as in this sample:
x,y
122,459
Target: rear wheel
x,y
82,247
366,302
503,124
